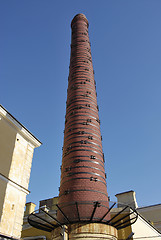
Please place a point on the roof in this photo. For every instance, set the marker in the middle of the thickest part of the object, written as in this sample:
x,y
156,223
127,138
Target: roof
x,y
154,205
141,216
124,192
35,141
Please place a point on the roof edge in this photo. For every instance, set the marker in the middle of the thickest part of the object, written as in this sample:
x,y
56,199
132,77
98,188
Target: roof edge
x,y
24,131
141,216
124,192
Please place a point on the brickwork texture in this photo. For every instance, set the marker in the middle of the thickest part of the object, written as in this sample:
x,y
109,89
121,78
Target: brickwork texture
x,y
83,178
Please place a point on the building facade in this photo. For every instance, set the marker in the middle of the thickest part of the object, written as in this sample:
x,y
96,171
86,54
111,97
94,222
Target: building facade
x,y
147,225
17,146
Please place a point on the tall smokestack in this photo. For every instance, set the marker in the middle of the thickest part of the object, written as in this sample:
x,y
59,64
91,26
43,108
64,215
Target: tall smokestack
x,y
83,178
83,210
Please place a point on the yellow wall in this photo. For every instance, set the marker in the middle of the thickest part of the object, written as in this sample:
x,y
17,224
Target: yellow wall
x,y
55,201
124,233
12,213
16,153
2,195
21,162
32,232
7,143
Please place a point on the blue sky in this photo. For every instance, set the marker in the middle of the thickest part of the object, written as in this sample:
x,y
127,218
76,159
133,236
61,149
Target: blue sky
x,y
125,40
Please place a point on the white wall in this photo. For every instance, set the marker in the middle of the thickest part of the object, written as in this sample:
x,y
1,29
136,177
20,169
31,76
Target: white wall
x,y
142,229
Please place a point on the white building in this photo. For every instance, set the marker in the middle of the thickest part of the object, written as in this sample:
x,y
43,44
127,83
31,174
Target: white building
x,y
16,152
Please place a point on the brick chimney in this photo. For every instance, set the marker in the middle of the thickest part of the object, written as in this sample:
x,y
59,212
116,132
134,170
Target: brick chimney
x,y
83,210
83,178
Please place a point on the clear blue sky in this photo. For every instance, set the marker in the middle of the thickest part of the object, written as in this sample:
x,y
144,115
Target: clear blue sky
x,y
126,49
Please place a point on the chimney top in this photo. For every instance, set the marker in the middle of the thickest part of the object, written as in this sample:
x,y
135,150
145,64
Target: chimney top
x,y
127,198
79,16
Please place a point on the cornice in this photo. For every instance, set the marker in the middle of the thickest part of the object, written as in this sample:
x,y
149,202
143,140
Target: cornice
x,y
20,128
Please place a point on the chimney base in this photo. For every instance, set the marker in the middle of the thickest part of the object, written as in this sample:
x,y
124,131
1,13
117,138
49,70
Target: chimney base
x,y
86,231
